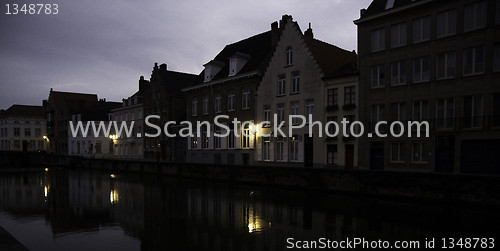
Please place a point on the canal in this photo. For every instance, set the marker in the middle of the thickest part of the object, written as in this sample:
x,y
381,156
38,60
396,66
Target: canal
x,y
60,209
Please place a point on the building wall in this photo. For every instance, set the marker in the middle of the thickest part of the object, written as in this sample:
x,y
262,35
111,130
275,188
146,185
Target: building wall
x,y
444,148
341,151
225,154
311,89
23,133
91,145
129,147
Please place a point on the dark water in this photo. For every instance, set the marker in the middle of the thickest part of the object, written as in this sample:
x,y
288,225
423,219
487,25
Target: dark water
x,y
83,210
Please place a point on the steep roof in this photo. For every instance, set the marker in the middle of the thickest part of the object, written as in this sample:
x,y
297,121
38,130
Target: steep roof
x,y
75,102
330,58
31,111
100,111
258,47
172,81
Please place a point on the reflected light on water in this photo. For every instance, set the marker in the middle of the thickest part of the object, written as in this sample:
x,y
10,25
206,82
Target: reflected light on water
x,y
45,191
113,196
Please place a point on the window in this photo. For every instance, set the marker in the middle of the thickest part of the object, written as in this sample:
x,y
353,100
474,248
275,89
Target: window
x,y
398,152
309,108
194,143
446,23
421,70
446,65
218,103
378,40
266,143
331,127
398,112
281,85
294,148
444,113
245,137
204,137
267,113
420,110
288,56
398,73
245,99
377,114
421,29
280,108
496,110
205,105
350,95
496,57
279,149
17,132
420,152
473,61
475,16
378,78
232,67
217,140
473,111
295,88
194,107
294,110
230,101
333,97
331,155
398,35
38,132
231,140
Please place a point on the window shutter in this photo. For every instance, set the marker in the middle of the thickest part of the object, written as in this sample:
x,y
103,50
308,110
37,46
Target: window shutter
x,y
252,142
189,142
223,141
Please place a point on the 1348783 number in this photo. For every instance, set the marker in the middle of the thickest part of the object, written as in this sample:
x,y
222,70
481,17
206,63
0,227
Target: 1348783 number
x,y
32,9
474,243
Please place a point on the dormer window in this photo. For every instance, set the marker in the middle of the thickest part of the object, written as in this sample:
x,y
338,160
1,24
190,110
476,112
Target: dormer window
x,y
211,69
288,56
236,63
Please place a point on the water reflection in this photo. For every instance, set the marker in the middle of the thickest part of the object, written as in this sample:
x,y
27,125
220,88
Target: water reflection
x,y
96,210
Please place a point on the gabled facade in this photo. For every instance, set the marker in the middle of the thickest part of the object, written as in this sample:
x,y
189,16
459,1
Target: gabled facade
x,y
293,85
228,86
163,97
23,128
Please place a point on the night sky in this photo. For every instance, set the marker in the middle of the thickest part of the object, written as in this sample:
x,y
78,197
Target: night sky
x,y
103,47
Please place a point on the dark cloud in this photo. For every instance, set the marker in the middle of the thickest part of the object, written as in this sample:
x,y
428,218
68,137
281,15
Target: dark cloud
x,y
104,46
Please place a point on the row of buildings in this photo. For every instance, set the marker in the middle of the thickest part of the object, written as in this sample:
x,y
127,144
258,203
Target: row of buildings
x,y
426,60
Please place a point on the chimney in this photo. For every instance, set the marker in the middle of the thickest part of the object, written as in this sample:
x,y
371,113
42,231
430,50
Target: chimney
x,y
362,13
309,32
142,84
275,33
156,66
163,67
